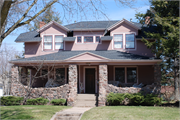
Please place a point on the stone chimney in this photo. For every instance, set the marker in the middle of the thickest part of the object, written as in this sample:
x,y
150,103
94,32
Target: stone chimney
x,y
41,24
147,20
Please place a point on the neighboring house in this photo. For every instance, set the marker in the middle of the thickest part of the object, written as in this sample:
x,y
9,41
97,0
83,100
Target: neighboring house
x,y
88,55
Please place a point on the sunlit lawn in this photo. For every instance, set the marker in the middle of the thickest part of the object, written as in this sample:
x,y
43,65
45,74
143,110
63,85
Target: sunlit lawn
x,y
40,112
132,113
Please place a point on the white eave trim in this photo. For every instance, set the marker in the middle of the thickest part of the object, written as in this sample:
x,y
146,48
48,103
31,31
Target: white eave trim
x,y
124,20
50,23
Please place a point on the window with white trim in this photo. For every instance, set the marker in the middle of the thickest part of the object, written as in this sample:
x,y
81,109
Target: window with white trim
x,y
118,41
130,41
58,42
88,39
126,74
98,39
48,42
79,39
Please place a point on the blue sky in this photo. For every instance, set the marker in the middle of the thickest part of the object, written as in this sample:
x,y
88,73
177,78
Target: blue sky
x,y
113,11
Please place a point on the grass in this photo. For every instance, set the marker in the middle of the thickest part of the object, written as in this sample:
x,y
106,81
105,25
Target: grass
x,y
40,112
132,113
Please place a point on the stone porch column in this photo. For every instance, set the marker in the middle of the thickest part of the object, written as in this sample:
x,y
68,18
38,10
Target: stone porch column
x,y
72,85
16,87
103,81
157,79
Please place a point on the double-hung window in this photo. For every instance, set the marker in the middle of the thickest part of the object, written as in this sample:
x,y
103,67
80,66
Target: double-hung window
x,y
130,41
118,41
58,42
88,39
48,42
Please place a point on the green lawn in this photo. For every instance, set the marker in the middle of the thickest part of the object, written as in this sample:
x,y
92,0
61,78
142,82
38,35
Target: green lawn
x,y
132,113
40,112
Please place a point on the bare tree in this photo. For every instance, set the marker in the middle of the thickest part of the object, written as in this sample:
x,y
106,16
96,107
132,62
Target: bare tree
x,y
7,53
16,13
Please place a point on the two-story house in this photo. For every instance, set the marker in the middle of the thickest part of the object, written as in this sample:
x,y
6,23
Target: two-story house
x,y
87,56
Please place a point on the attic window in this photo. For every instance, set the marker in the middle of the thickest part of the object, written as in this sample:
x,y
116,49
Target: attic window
x,y
130,40
48,42
88,39
118,41
59,42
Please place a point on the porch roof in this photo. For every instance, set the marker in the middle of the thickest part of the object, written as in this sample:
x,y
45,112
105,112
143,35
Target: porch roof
x,y
64,56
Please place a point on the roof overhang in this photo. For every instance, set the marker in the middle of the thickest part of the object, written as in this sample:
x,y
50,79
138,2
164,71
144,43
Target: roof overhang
x,y
50,23
120,22
91,61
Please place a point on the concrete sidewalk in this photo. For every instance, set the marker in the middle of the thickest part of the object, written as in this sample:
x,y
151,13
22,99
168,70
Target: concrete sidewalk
x,y
73,113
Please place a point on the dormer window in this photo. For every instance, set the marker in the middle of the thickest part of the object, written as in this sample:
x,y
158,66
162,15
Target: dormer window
x,y
58,42
88,39
130,41
48,42
118,41
98,39
79,39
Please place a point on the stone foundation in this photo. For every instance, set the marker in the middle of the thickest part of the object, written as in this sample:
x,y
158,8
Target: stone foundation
x,y
72,85
18,89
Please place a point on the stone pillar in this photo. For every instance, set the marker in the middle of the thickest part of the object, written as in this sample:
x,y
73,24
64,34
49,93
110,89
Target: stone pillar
x,y
72,85
103,82
157,79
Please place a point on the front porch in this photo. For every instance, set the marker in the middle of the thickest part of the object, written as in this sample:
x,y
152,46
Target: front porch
x,y
68,80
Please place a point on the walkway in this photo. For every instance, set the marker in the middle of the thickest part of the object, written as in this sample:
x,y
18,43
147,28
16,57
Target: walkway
x,y
73,113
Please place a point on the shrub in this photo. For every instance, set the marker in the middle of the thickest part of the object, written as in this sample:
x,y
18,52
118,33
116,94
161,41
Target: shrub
x,y
37,101
151,99
134,99
11,100
115,98
137,99
58,101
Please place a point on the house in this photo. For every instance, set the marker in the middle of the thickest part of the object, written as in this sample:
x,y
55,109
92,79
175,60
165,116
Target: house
x,y
85,57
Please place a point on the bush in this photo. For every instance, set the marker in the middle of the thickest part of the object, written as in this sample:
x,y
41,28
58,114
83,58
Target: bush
x,y
151,99
37,101
132,99
58,101
137,99
11,100
115,98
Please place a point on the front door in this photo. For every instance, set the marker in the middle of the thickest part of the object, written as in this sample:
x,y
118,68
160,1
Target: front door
x,y
90,80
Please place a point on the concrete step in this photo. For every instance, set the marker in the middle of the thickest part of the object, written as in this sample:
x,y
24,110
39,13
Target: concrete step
x,y
68,114
86,97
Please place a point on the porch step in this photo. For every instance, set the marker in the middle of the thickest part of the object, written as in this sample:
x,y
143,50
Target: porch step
x,y
86,100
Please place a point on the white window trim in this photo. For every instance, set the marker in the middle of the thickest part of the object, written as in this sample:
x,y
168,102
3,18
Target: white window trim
x,y
84,76
53,41
82,39
124,45
125,68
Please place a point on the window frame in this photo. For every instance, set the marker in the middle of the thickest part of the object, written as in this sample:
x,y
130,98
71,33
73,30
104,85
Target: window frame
x,y
134,40
58,42
118,41
51,43
125,67
64,71
77,39
99,38
88,36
